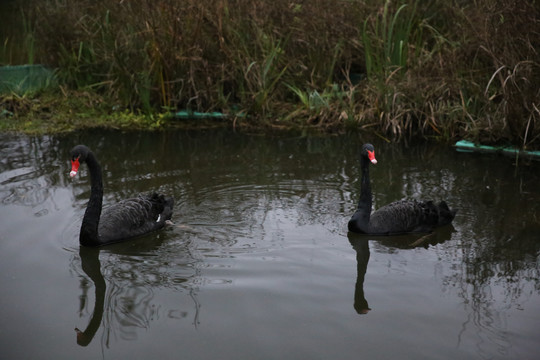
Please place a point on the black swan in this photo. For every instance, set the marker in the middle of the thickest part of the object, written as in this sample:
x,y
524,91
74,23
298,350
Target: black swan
x,y
400,217
123,220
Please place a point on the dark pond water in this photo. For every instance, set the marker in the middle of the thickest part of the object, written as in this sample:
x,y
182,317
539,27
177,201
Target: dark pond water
x,y
259,264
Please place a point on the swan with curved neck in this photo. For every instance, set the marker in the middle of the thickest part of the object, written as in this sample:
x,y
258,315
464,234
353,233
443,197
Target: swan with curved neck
x,y
400,217
123,220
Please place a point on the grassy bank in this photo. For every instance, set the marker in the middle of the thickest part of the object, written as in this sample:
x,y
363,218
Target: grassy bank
x,y
444,69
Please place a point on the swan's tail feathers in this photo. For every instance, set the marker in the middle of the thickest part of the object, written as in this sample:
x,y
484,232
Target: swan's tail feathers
x,y
168,208
446,215
163,206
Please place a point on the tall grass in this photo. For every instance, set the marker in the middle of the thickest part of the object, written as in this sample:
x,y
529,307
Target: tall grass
x,y
18,41
386,46
404,68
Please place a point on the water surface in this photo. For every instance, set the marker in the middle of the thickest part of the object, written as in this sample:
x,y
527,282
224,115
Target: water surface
x,y
259,263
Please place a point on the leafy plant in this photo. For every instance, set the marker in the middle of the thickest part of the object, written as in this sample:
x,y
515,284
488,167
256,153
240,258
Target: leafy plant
x,y
386,45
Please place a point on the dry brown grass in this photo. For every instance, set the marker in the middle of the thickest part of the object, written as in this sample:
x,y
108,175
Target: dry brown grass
x,y
446,70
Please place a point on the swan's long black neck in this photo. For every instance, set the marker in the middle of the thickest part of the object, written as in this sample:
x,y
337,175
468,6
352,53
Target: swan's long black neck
x,y
365,189
89,230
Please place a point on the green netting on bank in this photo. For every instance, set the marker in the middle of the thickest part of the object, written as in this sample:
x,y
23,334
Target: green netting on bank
x,y
20,79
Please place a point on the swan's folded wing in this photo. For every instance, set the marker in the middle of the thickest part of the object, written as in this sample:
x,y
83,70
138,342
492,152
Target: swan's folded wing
x,y
404,216
133,217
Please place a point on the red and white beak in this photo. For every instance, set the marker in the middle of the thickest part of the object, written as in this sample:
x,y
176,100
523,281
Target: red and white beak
x,y
74,167
371,156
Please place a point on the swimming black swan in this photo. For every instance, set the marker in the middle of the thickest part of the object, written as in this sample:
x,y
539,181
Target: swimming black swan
x,y
120,221
400,217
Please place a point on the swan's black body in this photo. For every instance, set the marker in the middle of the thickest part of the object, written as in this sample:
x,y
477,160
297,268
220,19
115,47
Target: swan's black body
x,y
120,221
400,217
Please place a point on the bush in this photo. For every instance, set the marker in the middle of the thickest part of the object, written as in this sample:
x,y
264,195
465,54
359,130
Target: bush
x,y
403,68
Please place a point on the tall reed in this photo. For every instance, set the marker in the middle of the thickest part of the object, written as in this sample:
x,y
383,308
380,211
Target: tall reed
x,y
386,46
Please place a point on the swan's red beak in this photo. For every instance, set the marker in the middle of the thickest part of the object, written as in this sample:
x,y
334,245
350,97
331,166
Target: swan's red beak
x,y
371,156
74,167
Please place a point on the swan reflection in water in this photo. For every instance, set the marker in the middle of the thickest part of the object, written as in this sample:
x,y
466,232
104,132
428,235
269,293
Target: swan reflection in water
x,y
128,304
92,267
360,244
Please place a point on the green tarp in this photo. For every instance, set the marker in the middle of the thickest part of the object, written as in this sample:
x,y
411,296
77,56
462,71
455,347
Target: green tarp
x,y
20,79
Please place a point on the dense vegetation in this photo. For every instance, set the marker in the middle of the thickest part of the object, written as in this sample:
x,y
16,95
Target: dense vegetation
x,y
436,68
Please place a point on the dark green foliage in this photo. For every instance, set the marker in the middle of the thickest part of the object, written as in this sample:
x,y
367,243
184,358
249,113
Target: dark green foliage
x,y
403,68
